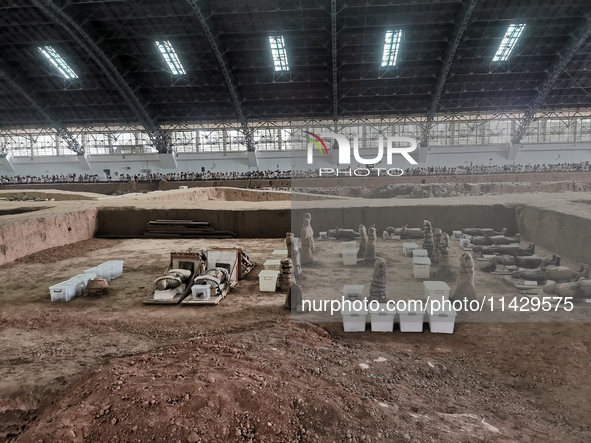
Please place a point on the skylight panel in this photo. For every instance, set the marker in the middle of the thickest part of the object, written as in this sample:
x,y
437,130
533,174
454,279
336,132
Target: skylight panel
x,y
391,48
57,62
508,43
170,57
278,52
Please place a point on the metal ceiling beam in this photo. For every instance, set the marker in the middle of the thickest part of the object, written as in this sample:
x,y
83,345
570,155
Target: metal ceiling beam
x,y
216,46
61,130
463,20
579,37
333,33
158,137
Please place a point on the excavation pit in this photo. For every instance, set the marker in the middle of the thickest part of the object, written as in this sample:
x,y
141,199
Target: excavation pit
x,y
249,339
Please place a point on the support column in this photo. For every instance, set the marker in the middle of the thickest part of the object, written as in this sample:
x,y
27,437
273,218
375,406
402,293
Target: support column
x,y
423,154
252,159
84,160
168,160
6,161
513,151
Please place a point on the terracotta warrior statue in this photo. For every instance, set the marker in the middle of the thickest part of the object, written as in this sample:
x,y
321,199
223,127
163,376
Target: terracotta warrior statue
x,y
394,231
526,262
558,273
578,289
428,238
406,233
494,240
287,274
293,252
377,287
555,273
343,234
483,231
294,297
309,217
436,241
465,283
307,251
370,247
362,241
536,275
444,269
512,249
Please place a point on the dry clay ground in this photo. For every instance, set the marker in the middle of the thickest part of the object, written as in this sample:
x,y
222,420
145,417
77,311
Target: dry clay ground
x,y
110,369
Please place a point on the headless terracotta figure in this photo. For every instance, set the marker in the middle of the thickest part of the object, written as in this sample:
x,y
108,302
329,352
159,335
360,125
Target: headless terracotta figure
x,y
294,298
362,241
577,289
340,234
465,282
306,253
293,252
370,247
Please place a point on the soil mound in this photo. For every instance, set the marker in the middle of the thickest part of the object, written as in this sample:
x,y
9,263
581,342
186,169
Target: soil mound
x,y
287,383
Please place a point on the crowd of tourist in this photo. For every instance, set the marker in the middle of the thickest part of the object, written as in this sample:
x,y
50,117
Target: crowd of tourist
x,y
505,169
270,174
61,178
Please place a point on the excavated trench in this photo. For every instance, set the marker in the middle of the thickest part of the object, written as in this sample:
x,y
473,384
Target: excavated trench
x,y
275,215
20,210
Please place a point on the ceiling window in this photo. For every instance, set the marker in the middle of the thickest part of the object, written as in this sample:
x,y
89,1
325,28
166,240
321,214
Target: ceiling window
x,y
278,52
508,43
170,57
57,62
391,48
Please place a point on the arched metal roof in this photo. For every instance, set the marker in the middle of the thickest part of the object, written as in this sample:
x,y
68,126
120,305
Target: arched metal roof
x,y
444,63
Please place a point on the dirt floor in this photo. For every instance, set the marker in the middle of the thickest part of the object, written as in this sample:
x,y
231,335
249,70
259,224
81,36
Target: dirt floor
x,y
110,369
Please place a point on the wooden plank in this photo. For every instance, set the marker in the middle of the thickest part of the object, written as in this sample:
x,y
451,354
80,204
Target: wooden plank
x,y
184,236
178,231
211,301
178,222
183,228
203,233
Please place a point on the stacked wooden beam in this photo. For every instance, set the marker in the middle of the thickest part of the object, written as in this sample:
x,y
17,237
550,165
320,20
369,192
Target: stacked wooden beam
x,y
184,229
